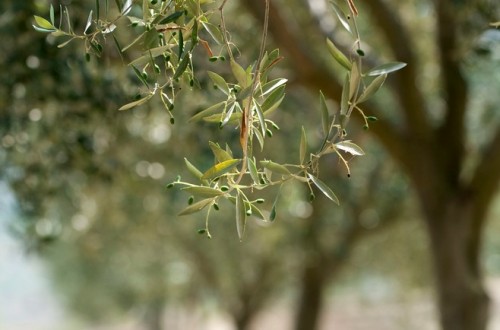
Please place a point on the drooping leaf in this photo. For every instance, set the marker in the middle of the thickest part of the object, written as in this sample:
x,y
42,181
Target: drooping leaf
x,y
272,215
344,102
260,116
355,78
372,88
209,111
192,169
241,216
303,146
214,32
253,170
386,68
272,85
323,188
325,118
196,207
172,17
228,114
182,65
220,169
219,82
350,147
136,103
338,55
89,22
273,101
275,167
203,191
341,16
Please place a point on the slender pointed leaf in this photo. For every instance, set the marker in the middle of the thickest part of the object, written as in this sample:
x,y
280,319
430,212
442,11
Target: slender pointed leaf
x,y
241,216
209,111
192,169
240,74
372,88
203,191
275,167
253,170
196,207
89,22
303,146
341,16
386,68
350,147
325,118
344,102
324,188
338,55
219,82
44,24
136,103
220,169
355,78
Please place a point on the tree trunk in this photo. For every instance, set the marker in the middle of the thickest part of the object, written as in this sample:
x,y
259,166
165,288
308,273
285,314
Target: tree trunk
x,y
311,297
455,246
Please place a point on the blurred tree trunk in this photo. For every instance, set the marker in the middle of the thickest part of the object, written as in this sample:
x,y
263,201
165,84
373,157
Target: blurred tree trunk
x,y
463,302
312,286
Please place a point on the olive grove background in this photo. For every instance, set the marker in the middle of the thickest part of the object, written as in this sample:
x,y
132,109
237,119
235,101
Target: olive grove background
x,y
418,220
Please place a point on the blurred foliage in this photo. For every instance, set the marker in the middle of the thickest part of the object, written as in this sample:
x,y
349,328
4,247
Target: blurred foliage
x,y
90,183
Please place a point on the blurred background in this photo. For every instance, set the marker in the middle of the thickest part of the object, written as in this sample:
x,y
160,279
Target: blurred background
x,y
89,237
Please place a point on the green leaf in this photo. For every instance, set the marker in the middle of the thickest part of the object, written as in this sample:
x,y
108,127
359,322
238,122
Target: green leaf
x,y
52,16
220,168
341,16
350,147
256,212
253,170
196,207
209,111
325,118
220,154
275,167
273,101
219,82
136,103
89,22
354,79
172,17
203,191
192,169
303,146
240,74
39,29
272,85
386,68
214,32
323,188
228,114
182,66
65,43
338,55
260,116
372,88
44,24
241,215
272,215
344,102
